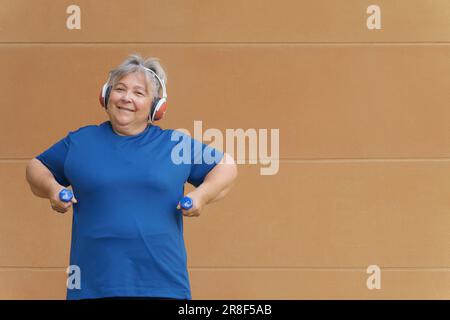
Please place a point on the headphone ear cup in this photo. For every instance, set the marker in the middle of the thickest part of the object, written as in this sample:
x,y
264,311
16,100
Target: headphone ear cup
x,y
158,109
104,95
107,93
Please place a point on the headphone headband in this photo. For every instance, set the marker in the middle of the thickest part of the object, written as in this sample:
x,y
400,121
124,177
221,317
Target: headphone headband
x,y
163,86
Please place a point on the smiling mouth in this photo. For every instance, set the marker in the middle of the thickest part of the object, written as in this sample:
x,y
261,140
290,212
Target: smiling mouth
x,y
125,109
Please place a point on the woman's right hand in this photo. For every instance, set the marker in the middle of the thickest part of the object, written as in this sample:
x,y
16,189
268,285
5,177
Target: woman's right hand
x,y
57,204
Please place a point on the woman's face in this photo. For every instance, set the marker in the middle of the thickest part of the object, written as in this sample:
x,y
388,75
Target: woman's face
x,y
129,101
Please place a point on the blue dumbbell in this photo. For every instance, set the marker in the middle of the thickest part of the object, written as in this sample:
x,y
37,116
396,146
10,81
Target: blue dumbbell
x,y
186,203
65,195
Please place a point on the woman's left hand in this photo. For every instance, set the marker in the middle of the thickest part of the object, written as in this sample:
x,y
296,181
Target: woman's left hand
x,y
198,202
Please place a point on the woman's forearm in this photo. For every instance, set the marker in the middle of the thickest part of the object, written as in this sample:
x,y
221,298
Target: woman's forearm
x,y
219,180
41,180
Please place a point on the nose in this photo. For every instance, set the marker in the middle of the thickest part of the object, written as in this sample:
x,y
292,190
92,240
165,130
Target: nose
x,y
126,96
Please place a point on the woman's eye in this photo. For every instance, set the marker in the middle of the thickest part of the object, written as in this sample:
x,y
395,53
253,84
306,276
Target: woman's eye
x,y
140,93
119,89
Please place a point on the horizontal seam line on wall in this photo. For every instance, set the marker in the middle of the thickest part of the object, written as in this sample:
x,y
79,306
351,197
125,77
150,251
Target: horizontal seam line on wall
x,y
230,43
318,160
350,160
446,269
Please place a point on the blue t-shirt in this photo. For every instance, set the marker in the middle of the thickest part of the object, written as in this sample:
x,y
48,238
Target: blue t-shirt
x,y
127,234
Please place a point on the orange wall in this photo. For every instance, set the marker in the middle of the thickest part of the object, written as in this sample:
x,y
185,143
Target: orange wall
x,y
364,121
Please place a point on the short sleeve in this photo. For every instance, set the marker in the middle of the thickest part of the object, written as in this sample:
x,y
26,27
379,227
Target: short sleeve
x,y
54,158
203,159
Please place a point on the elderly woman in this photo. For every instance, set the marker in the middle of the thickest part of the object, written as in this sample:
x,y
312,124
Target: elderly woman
x,y
127,231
